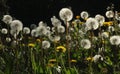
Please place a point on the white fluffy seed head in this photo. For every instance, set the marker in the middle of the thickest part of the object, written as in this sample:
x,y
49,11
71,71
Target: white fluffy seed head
x,y
85,43
45,44
109,14
100,19
7,19
96,58
8,39
84,15
4,31
61,29
16,25
115,40
92,24
26,30
34,33
55,22
105,35
66,14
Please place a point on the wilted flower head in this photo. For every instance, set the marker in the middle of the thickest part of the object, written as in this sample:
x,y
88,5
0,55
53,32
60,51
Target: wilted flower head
x,y
61,29
4,31
85,43
100,19
84,15
109,14
7,19
26,30
115,40
92,23
96,58
45,44
16,25
66,14
55,22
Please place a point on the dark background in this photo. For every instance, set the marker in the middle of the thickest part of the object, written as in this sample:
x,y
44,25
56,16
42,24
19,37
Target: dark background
x,y
33,11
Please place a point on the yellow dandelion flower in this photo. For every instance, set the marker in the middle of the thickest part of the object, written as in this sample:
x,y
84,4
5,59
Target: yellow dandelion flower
x,y
23,44
38,40
50,65
73,61
31,45
77,17
52,60
89,58
60,49
81,23
108,23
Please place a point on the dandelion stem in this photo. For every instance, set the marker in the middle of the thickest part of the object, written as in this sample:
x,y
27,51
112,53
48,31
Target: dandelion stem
x,y
67,45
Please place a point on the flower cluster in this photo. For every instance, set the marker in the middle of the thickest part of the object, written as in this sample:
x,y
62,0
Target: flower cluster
x,y
81,45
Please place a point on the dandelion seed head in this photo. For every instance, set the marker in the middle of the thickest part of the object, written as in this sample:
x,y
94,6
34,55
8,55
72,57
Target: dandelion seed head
x,y
8,39
61,29
66,14
34,33
4,31
55,22
105,34
92,23
84,15
109,14
16,25
100,19
26,30
85,43
115,40
7,19
96,58
45,44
